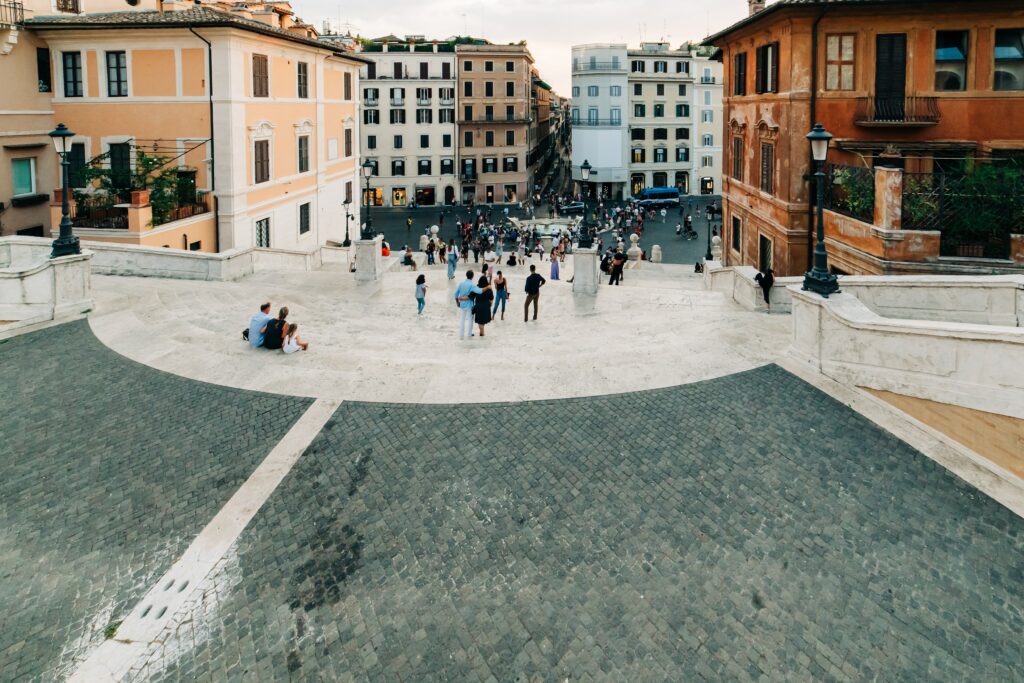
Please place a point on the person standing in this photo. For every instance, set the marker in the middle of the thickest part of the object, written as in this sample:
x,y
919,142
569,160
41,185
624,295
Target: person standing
x,y
482,305
533,284
554,263
453,260
500,293
408,224
766,279
618,263
421,294
464,302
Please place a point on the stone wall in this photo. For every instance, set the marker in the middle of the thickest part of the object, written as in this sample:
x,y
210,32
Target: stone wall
x,y
36,290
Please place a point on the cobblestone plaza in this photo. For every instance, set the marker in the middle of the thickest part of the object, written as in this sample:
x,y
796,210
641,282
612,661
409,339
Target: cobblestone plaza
x,y
740,528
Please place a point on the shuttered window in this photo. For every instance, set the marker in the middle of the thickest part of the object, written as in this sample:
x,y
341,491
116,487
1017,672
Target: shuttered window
x,y
260,76
767,168
737,158
303,153
348,142
346,81
739,74
261,161
767,66
303,80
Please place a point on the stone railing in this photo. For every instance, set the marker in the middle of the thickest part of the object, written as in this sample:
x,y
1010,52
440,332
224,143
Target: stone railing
x,y
738,282
974,366
36,290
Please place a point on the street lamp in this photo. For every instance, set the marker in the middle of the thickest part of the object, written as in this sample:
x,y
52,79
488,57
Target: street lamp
x,y
67,243
819,279
367,232
708,255
586,241
348,208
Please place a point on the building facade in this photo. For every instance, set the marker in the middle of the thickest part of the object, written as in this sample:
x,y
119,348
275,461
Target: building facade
x,y
600,117
922,87
494,115
408,117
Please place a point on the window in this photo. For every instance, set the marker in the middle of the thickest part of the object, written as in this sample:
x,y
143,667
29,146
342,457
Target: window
x,y
424,141
767,168
302,80
659,111
737,158
660,67
467,65
446,70
510,137
467,112
592,116
398,70
839,62
510,164
348,192
76,165
303,152
682,133
639,155
261,161
638,89
682,90
950,60
263,233
707,98
510,66
615,91
708,140
707,161
397,97
467,89
638,134
121,164
510,89
707,116
43,69
510,113
682,181
72,74
424,95
616,117
489,138
489,89
371,70
447,167
682,111
576,115
490,164
371,95
348,143
659,90
661,133
424,116
488,66
682,67
303,218
371,142
260,76
446,95
423,167
446,140
592,91
660,155
398,167
467,138
739,74
736,236
371,116
1009,59
23,176
399,142
117,74
424,70
639,110
346,85
397,116
682,154
767,64
575,91
489,112
637,66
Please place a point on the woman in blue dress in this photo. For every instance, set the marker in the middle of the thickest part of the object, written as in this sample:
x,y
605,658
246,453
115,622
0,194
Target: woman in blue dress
x,y
554,264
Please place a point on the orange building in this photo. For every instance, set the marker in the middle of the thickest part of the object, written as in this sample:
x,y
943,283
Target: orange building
x,y
921,86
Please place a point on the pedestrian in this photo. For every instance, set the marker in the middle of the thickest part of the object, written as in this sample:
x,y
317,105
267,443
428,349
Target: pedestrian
x,y
618,263
408,224
554,264
482,305
257,326
766,278
500,293
430,253
453,260
421,293
407,258
465,293
533,284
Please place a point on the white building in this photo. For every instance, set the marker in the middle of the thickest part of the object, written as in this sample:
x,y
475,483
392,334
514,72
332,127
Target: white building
x,y
650,116
408,123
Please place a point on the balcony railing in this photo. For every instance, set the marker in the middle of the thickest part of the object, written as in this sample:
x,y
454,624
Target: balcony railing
x,y
707,80
397,102
467,177
598,123
446,101
12,13
897,111
423,101
72,6
599,66
372,102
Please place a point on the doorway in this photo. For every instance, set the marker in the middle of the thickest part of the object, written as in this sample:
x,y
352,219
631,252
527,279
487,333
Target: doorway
x,y
890,76
398,196
764,253
449,195
425,196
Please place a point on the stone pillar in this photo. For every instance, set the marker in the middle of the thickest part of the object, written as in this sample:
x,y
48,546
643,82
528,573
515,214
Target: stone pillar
x,y
716,248
140,212
633,253
656,253
423,242
888,198
586,272
369,262
1017,249
55,208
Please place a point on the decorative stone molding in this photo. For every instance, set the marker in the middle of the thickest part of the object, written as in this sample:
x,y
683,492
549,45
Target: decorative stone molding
x,y
767,129
263,129
737,127
304,127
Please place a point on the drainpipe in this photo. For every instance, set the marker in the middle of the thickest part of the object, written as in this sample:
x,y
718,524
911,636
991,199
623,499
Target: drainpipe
x,y
814,119
213,165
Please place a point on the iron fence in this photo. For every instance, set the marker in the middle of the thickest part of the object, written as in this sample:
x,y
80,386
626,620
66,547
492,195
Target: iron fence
x,y
850,190
976,212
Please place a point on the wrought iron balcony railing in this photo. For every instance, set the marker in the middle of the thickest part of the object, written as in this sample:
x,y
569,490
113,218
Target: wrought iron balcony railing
x,y
12,13
897,111
599,66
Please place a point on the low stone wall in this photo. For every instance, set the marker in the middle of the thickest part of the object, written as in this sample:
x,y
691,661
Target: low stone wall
x,y
36,290
970,365
982,300
738,282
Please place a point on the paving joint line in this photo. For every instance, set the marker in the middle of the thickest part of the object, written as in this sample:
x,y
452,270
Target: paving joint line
x,y
155,613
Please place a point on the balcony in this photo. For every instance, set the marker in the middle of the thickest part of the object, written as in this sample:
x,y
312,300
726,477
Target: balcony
x,y
468,177
598,66
423,101
707,80
371,101
904,112
12,13
397,102
446,101
72,6
598,123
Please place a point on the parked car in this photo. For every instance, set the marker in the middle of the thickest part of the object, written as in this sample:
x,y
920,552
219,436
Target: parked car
x,y
573,207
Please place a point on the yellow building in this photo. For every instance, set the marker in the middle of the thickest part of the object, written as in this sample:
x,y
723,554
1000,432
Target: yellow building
x,y
255,118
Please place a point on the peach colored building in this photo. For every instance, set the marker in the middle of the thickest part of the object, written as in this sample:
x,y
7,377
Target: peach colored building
x,y
256,115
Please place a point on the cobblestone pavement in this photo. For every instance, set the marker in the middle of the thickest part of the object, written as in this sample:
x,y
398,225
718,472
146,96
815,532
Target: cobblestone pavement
x,y
678,534
108,469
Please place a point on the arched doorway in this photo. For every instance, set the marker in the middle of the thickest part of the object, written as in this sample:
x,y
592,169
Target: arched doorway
x,y
449,195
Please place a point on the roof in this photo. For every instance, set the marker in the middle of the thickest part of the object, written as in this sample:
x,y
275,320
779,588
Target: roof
x,y
784,4
190,18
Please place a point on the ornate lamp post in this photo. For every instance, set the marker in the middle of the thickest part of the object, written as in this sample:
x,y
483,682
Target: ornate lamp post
x,y
586,241
819,280
708,255
367,232
66,244
348,207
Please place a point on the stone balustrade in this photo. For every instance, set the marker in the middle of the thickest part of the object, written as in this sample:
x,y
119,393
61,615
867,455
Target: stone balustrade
x,y
36,290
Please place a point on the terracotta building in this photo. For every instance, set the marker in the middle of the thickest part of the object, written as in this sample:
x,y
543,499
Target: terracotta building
x,y
494,117
918,86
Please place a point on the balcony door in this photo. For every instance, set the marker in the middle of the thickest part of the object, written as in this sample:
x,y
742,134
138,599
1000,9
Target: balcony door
x,y
890,76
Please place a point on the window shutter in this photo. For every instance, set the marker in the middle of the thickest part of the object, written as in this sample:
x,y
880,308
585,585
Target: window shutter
x,y
759,68
775,66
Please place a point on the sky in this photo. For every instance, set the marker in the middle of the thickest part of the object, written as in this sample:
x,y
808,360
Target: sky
x,y
550,27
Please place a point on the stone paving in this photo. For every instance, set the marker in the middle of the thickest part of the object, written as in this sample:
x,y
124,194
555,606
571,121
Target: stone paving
x,y
108,469
747,527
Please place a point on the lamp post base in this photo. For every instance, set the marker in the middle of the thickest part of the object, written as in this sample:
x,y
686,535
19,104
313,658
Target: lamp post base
x,y
65,246
820,282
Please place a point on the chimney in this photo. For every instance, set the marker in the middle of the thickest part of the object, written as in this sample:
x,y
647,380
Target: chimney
x,y
755,6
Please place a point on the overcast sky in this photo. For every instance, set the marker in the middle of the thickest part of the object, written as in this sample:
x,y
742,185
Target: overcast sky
x,y
550,27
